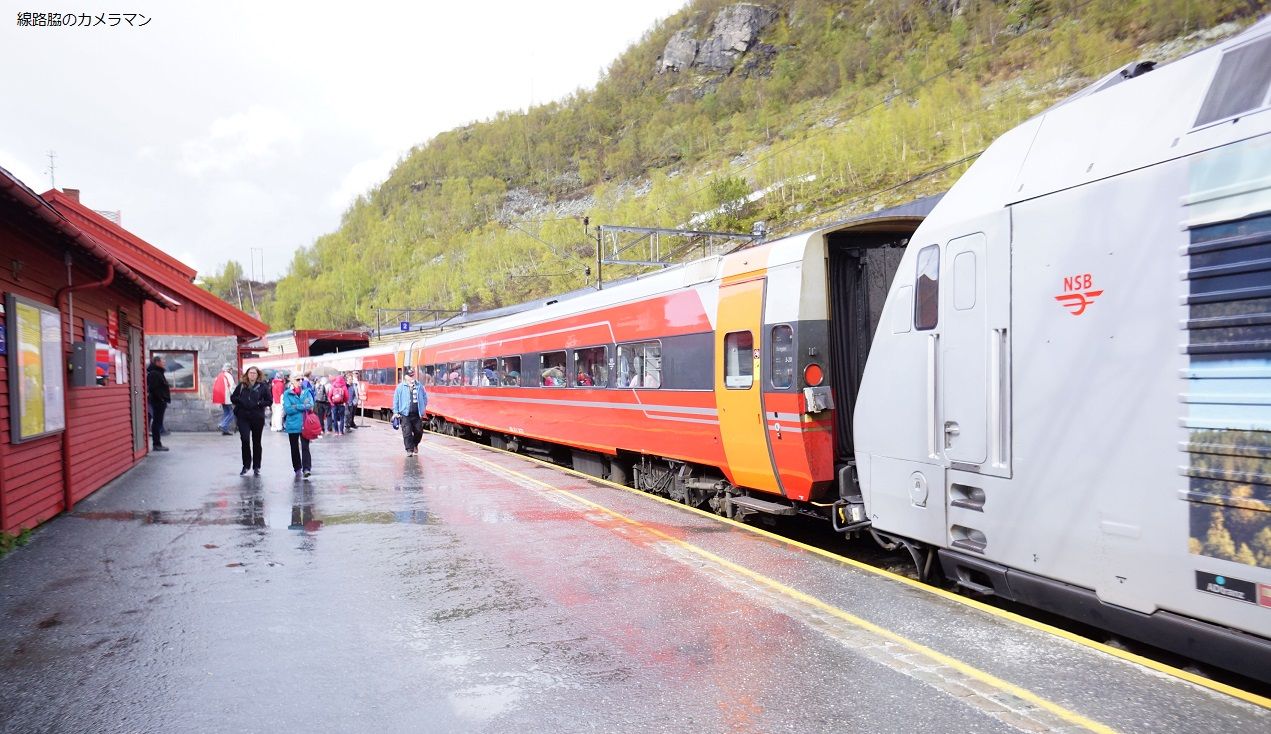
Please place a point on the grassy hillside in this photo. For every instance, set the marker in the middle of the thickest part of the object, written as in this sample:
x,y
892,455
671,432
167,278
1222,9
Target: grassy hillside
x,y
839,107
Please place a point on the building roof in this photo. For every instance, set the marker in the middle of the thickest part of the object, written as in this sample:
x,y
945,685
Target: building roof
x,y
20,193
163,269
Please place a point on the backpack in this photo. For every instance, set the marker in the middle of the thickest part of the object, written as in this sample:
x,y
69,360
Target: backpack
x,y
337,395
320,394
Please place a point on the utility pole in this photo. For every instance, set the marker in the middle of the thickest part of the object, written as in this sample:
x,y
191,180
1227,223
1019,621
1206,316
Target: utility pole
x,y
600,280
52,168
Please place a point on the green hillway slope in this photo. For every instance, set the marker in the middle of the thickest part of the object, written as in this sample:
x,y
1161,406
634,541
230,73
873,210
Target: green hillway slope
x,y
832,109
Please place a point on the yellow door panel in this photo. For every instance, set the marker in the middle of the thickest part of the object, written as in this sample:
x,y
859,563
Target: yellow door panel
x,y
739,398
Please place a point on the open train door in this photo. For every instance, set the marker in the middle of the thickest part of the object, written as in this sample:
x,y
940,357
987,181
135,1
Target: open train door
x,y
738,387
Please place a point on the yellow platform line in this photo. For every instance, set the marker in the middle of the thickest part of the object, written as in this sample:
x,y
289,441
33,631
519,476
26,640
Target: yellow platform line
x,y
1125,655
940,658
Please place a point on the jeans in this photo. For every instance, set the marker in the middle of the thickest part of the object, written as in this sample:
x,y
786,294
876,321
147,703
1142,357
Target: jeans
x,y
251,428
337,418
412,431
157,410
323,411
352,416
300,458
227,417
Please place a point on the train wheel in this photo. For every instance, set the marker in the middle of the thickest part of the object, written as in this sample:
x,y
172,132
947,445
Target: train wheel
x,y
498,441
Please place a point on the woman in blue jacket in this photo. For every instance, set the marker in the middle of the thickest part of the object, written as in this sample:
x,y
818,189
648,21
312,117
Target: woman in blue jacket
x,y
409,404
296,401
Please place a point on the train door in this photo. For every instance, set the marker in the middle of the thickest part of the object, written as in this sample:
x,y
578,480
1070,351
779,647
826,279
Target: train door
x,y
972,374
739,387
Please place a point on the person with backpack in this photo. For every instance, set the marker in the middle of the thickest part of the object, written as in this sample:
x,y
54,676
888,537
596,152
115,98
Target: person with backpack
x,y
278,385
221,389
322,402
338,395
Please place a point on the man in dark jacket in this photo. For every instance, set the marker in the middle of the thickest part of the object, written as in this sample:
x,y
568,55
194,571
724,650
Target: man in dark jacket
x,y
160,396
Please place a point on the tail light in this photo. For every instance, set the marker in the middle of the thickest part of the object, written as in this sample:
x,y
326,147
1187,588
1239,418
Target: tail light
x,y
812,375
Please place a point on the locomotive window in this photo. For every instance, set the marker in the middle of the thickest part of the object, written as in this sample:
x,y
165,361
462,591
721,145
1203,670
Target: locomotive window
x,y
591,367
510,371
639,364
739,360
552,369
927,289
1240,84
782,356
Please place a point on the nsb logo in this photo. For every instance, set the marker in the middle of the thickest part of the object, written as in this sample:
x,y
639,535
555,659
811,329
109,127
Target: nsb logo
x,y
1078,293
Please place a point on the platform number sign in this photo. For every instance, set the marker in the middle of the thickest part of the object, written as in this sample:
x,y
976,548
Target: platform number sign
x,y
405,325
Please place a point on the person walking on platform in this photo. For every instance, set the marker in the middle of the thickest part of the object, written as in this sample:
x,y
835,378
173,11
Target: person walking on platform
x,y
250,398
278,385
355,399
410,402
322,402
160,395
297,401
221,389
338,395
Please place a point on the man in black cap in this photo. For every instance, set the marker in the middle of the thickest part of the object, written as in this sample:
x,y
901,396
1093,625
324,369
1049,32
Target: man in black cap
x,y
410,402
160,395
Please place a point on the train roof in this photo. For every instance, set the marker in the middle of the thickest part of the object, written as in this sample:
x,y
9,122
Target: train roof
x,y
1114,127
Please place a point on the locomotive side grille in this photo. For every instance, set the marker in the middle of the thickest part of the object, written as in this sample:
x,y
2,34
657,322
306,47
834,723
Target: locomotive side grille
x,y
1227,394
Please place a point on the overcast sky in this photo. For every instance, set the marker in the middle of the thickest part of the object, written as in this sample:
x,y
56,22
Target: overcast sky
x,y
221,127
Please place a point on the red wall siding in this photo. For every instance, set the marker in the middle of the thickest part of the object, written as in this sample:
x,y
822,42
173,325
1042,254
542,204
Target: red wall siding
x,y
190,319
31,486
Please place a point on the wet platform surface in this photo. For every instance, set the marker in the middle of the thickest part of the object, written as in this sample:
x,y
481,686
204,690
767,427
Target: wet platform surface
x,y
470,590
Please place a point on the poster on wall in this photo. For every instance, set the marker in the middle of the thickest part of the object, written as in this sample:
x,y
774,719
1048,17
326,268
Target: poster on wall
x,y
36,369
95,337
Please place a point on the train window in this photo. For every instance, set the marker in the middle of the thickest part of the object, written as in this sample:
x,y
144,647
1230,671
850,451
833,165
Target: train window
x,y
430,372
964,281
927,289
552,369
739,360
470,372
639,365
489,374
1240,84
591,367
439,373
454,373
510,371
782,356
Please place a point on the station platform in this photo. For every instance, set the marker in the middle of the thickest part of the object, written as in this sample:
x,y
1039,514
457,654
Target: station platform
x,y
472,590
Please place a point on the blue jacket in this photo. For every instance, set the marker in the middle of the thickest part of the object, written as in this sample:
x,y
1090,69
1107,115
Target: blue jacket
x,y
401,398
293,410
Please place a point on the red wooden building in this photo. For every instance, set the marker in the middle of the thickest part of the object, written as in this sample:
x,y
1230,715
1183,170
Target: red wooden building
x,y
64,434
197,338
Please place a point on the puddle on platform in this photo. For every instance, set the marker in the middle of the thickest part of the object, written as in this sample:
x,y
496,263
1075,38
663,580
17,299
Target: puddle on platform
x,y
484,702
301,517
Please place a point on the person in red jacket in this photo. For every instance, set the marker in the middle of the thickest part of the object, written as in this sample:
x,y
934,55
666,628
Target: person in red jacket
x,y
222,388
277,385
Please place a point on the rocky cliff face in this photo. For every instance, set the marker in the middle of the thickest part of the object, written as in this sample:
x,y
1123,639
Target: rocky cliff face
x,y
733,31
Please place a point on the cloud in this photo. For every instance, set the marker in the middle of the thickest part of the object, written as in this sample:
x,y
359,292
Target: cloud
x,y
242,139
361,178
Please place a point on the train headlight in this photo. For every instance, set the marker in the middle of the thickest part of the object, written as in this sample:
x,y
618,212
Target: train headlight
x,y
812,374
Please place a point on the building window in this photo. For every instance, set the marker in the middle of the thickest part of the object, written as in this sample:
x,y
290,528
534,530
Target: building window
x,y
739,360
639,364
591,367
552,369
927,289
510,371
180,367
782,356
